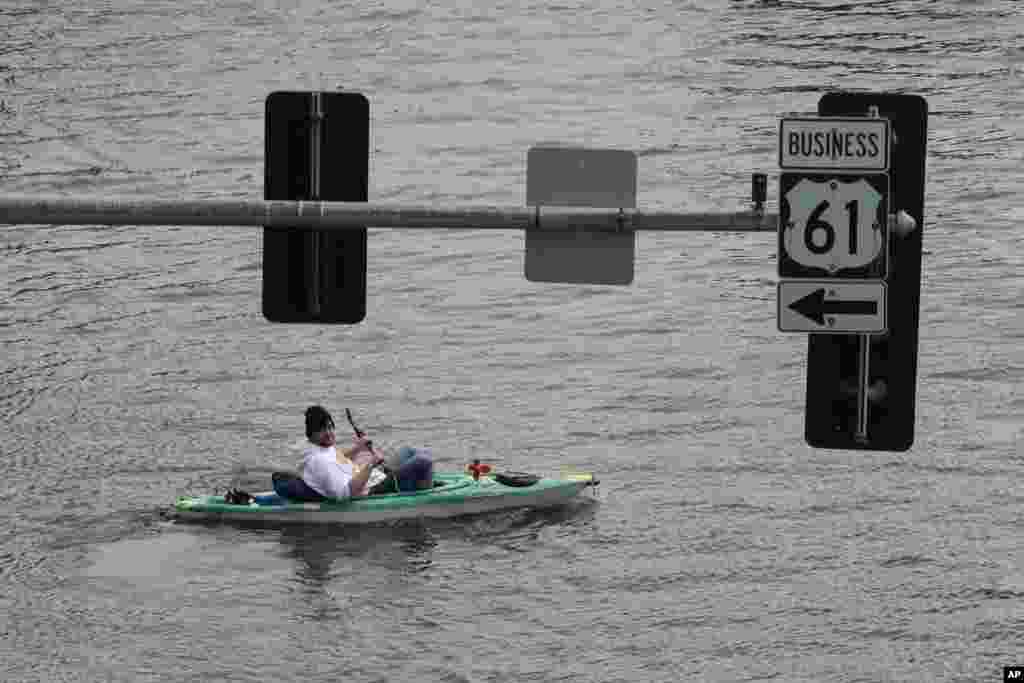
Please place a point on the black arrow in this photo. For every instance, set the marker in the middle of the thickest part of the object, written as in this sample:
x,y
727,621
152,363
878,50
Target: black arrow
x,y
815,307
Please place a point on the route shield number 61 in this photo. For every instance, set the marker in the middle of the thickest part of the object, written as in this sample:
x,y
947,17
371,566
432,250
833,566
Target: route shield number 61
x,y
833,225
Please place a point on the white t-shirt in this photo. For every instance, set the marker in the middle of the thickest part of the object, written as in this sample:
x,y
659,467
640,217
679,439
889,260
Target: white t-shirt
x,y
324,474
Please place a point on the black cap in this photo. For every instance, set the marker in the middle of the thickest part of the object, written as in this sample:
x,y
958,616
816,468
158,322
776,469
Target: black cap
x,y
317,419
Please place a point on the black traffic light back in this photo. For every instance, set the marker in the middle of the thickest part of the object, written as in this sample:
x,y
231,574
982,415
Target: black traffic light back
x,y
314,276
833,360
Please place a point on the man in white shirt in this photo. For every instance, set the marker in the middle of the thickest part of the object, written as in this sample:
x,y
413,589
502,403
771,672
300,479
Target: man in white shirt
x,y
327,474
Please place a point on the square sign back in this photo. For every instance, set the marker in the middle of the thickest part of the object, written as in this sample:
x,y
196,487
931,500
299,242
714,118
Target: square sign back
x,y
833,225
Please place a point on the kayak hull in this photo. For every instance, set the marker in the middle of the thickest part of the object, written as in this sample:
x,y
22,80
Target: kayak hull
x,y
455,496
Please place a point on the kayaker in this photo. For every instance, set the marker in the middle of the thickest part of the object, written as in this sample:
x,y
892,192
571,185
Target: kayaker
x,y
326,473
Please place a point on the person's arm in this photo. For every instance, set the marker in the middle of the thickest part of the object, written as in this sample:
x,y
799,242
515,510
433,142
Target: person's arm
x,y
351,453
360,475
364,458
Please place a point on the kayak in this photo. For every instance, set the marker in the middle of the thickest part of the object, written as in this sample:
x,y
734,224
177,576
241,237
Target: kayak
x,y
453,495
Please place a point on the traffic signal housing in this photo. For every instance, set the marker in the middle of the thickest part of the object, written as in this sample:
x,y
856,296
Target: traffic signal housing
x,y
834,361
317,148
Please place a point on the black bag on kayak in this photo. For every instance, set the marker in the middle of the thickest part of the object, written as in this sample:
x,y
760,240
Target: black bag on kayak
x,y
516,478
237,497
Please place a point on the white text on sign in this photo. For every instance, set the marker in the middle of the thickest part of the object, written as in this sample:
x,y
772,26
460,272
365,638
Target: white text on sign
x,y
844,144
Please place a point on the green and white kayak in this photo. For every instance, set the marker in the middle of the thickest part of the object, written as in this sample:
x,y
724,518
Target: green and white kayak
x,y
453,495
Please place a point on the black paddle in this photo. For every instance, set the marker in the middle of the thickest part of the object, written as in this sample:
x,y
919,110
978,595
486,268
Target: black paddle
x,y
360,432
357,430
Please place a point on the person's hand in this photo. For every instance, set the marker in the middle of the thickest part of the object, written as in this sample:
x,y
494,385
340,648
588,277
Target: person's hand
x,y
361,444
369,459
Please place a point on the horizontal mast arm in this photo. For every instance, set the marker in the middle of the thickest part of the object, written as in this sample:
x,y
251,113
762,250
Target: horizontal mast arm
x,y
346,215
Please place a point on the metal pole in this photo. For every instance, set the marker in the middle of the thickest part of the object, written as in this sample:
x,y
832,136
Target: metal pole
x,y
862,387
345,215
864,369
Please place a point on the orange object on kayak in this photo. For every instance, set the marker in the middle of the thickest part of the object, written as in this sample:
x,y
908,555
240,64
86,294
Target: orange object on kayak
x,y
476,469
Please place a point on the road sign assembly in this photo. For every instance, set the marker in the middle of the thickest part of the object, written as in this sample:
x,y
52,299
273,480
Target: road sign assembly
x,y
849,228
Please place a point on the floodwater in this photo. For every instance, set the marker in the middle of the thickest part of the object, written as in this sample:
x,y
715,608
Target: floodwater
x,y
136,366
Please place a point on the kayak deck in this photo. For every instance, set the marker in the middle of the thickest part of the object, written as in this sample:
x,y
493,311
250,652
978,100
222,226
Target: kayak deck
x,y
453,495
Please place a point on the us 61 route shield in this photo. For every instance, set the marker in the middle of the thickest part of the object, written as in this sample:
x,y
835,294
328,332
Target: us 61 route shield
x,y
833,226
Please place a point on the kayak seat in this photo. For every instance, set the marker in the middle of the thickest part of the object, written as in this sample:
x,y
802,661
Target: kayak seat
x,y
289,485
516,478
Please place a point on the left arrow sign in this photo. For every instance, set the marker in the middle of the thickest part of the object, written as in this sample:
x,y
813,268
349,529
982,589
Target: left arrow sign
x,y
815,307
832,307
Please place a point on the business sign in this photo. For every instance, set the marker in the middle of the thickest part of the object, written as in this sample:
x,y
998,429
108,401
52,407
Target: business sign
x,y
834,144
